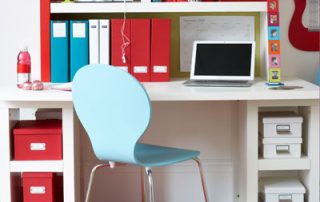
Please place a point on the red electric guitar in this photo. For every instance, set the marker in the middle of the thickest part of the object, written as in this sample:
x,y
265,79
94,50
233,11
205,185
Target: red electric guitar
x,y
299,36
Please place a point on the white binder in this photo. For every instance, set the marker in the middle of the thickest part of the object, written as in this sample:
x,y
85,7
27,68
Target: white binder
x,y
94,42
104,41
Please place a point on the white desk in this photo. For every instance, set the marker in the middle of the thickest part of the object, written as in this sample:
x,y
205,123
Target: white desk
x,y
251,100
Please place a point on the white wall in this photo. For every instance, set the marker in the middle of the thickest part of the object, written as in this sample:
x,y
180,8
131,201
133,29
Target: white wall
x,y
20,26
294,62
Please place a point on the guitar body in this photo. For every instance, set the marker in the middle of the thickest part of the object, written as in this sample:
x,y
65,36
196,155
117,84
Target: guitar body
x,y
299,36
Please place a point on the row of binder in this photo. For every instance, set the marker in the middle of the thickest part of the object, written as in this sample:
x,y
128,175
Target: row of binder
x,y
77,43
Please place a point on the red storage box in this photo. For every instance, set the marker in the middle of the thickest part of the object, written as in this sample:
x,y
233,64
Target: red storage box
x,y
38,140
38,187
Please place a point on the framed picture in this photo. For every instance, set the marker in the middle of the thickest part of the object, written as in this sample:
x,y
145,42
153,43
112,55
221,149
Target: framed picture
x,y
273,19
274,47
274,61
274,33
273,5
274,75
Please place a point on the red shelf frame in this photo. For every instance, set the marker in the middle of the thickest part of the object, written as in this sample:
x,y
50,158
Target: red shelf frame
x,y
45,40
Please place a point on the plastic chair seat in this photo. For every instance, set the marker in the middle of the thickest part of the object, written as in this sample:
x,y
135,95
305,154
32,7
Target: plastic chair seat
x,y
151,155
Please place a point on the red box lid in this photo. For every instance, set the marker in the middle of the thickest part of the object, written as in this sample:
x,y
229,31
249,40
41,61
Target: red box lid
x,y
38,175
38,127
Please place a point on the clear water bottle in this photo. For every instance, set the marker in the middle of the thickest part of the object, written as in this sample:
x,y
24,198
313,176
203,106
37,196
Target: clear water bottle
x,y
23,67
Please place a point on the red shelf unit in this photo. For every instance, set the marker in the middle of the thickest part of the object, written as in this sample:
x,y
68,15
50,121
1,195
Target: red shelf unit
x,y
45,40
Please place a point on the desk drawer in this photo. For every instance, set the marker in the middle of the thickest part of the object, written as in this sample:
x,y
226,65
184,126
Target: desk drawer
x,y
280,124
38,140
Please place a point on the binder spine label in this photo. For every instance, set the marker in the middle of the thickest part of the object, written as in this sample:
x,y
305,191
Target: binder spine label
x,y
160,69
124,68
140,69
79,30
59,30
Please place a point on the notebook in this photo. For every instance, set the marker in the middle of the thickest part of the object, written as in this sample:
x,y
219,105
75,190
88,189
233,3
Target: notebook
x,y
222,63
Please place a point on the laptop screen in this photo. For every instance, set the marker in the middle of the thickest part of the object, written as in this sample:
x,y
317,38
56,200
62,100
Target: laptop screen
x,y
223,60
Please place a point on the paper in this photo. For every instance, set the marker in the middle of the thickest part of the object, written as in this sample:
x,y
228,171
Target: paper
x,y
62,86
213,28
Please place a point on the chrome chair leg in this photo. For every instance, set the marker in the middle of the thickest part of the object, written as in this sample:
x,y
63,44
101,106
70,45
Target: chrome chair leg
x,y
150,180
204,187
91,179
143,187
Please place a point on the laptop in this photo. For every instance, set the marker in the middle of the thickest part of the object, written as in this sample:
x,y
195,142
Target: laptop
x,y
222,63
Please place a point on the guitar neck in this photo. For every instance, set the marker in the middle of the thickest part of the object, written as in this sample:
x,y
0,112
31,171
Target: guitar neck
x,y
313,7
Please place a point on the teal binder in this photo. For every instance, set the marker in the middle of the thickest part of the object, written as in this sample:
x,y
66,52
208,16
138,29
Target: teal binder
x,y
79,45
59,44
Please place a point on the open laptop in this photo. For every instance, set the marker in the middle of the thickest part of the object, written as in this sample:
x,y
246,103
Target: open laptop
x,y
222,63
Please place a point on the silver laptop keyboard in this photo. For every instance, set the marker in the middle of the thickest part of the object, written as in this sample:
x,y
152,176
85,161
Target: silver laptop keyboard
x,y
210,83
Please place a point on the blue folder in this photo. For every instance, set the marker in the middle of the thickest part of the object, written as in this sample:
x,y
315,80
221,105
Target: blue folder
x,y
79,45
59,51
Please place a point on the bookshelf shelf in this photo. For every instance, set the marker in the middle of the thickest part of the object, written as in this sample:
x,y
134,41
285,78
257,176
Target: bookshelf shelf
x,y
302,163
36,166
137,7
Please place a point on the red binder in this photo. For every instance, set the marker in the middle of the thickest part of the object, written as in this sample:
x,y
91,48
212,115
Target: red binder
x,y
118,59
140,49
160,49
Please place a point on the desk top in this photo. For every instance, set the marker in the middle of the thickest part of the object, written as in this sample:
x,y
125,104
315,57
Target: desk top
x,y
176,91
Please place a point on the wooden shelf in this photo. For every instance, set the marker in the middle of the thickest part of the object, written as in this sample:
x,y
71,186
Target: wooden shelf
x,y
36,166
158,7
302,163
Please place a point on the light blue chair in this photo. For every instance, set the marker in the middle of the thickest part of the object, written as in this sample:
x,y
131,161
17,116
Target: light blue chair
x,y
115,111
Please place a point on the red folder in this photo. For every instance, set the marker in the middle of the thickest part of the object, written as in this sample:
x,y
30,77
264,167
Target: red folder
x,y
118,59
140,49
160,49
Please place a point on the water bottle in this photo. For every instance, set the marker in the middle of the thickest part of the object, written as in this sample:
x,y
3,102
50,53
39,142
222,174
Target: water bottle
x,y
23,67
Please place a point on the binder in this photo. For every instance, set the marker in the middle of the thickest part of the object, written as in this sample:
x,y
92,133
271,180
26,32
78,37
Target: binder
x,y
94,41
59,51
140,49
118,59
160,49
104,41
79,42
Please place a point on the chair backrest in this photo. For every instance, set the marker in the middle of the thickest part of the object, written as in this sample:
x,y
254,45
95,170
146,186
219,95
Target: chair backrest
x,y
114,109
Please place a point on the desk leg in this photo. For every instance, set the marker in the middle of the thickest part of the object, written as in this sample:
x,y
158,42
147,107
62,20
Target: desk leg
x,y
248,165
310,178
71,174
5,175
252,151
